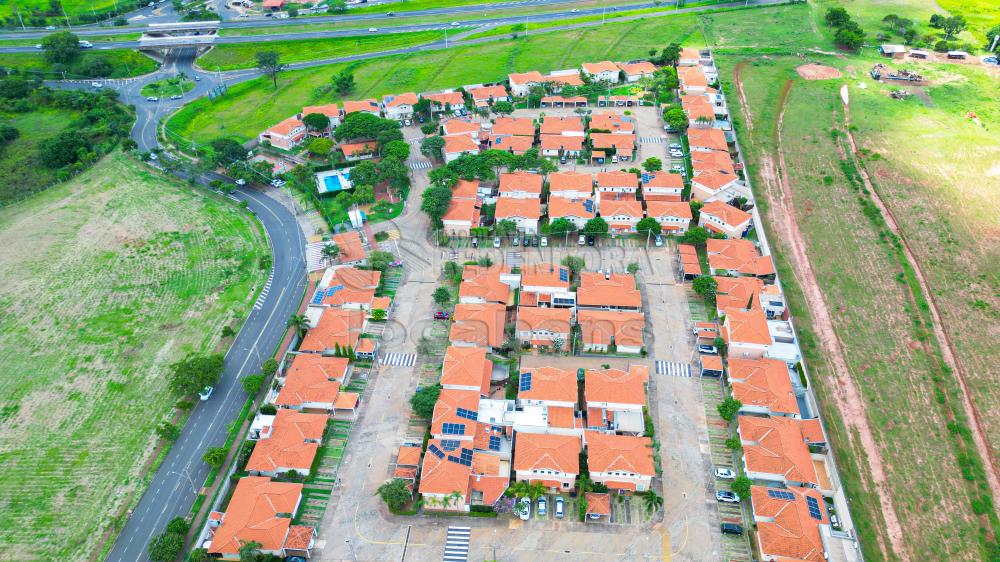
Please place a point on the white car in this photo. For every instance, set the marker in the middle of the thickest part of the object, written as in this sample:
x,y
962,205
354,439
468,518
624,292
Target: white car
x,y
206,393
38,45
658,241
277,183
454,24
542,507
674,146
544,242
725,496
372,29
560,506
153,99
582,240
677,168
496,242
241,181
96,84
524,509
725,474
86,44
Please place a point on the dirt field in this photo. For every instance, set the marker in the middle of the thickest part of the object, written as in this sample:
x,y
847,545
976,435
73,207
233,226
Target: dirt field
x,y
103,282
817,72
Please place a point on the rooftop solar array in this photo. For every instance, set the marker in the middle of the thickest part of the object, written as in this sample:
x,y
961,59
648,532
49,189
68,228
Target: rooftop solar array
x,y
453,429
563,275
467,414
494,443
814,511
781,495
435,451
450,444
465,458
524,382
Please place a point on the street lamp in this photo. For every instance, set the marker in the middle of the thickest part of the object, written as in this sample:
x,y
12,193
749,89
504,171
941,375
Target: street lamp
x,y
194,490
351,544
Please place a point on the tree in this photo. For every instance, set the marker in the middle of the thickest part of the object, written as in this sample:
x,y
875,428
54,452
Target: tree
x,y
652,164
379,260
937,21
168,431
436,200
596,226
393,170
696,209
423,400
14,87
250,551
504,227
676,118
226,151
215,456
953,25
200,555
561,225
165,547
648,226
344,82
705,286
253,383
849,38
651,500
670,54
697,236
378,314
991,36
330,251
63,149
836,17
316,121
363,125
363,195
269,367
337,6
320,146
398,149
62,47
632,268
394,493
269,62
728,408
503,107
293,12
741,486
194,373
178,525
574,263
442,296
734,443
300,323
431,147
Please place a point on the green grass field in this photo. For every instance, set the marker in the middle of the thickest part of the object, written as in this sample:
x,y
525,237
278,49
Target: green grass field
x,y
242,55
104,281
20,159
124,63
71,7
168,87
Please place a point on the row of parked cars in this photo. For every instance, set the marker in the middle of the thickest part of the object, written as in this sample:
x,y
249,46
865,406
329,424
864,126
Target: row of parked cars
x,y
524,507
543,241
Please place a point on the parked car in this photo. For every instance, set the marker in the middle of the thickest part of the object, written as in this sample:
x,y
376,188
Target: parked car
x,y
563,159
152,98
676,154
277,183
526,241
372,29
707,349
524,511
674,146
658,241
560,507
38,45
677,168
454,24
725,473
534,241
591,240
475,242
197,78
732,529
544,241
241,181
96,84
86,45
396,263
594,516
582,240
542,506
440,315
496,242
206,393
50,28
176,97
516,241
727,496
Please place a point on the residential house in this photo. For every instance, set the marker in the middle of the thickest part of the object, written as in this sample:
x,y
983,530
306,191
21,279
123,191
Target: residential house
x,y
892,51
598,505
549,279
464,211
662,186
604,330
445,102
525,213
358,151
738,257
479,325
790,523
547,386
617,183
457,145
351,277
714,186
689,57
564,101
746,333
635,71
514,144
461,127
772,301
700,112
674,217
615,398
570,185
445,475
775,449
407,463
612,123
466,368
577,211
764,386
621,214
620,462
521,185
704,140
400,107
553,460
261,511
352,249
286,135
712,161
711,365
455,414
565,126
608,291
561,145
485,286
289,444
338,330
363,106
687,258
736,292
604,71
548,327
313,382
332,112
520,126
486,95
559,79
522,82
692,80
723,218
612,146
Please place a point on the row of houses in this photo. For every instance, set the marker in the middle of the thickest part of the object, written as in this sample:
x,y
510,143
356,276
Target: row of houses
x,y
290,427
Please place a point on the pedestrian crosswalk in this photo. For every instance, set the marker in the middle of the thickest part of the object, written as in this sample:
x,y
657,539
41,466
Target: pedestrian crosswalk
x,y
314,256
420,165
513,259
263,293
456,546
398,359
673,368
652,140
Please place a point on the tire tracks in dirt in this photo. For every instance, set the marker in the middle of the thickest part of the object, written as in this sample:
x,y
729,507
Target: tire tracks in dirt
x,y
948,351
846,393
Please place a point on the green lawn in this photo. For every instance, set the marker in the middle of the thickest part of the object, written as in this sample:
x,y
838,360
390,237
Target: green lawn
x,y
20,159
124,63
71,7
104,281
7,42
168,87
242,55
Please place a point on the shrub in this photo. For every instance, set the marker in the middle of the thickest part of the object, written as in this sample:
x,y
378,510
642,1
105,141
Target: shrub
x,y
728,408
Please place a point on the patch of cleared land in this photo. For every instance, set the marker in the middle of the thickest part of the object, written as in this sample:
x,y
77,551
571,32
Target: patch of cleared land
x,y
104,281
124,63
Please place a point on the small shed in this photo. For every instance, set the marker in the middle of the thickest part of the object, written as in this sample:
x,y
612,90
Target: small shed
x,y
892,51
598,505
960,55
918,54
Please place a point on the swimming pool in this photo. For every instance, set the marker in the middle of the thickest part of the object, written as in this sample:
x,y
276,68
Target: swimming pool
x,y
333,181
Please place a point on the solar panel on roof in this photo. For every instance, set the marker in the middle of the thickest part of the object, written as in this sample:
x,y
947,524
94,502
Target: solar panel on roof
x,y
318,296
563,275
453,429
494,443
525,382
588,205
466,456
781,495
814,511
450,444
435,451
467,414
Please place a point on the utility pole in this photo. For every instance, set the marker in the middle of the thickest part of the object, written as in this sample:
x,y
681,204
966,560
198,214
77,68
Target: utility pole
x,y
18,12
351,545
194,490
446,38
525,26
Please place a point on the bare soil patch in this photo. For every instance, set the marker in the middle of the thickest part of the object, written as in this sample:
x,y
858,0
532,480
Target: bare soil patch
x,y
817,72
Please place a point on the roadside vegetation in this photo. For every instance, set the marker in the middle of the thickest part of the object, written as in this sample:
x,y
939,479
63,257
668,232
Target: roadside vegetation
x,y
39,13
168,87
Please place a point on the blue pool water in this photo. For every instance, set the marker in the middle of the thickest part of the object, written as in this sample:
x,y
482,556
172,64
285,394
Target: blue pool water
x,y
333,183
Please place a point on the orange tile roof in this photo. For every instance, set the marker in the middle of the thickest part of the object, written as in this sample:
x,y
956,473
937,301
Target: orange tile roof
x,y
405,472
689,53
550,384
366,345
565,207
617,179
599,67
510,207
467,367
354,278
746,326
561,416
487,286
253,515
460,126
490,486
599,326
618,485
330,110
713,181
713,160
730,215
526,77
357,148
544,275
737,292
382,302
347,401
698,108
515,144
679,209
598,504
615,289
554,125
556,320
409,455
616,207
335,327
641,67
482,324
687,249
564,79
775,445
691,76
460,143
616,386
711,362
349,296
514,126
623,143
785,529
465,189
521,181
563,99
812,431
312,379
738,255
460,209
450,98
713,139
487,92
441,476
351,248
299,537
607,453
471,271
570,181
408,98
535,451
664,180
369,105
287,446
285,127
561,142
764,383
611,122
446,411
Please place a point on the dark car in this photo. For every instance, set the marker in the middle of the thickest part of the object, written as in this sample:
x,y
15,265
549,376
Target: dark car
x,y
440,315
534,241
732,529
526,242
591,240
